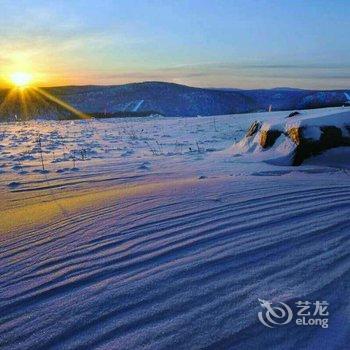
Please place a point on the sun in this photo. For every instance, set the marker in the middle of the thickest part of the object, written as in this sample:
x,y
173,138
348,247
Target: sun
x,y
21,79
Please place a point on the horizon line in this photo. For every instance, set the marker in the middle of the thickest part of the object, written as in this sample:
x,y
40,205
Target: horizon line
x,y
172,83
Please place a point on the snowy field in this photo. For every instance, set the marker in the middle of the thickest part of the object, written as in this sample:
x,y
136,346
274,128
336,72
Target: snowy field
x,y
153,234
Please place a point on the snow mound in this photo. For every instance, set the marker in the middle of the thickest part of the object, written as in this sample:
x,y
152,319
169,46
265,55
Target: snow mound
x,y
298,136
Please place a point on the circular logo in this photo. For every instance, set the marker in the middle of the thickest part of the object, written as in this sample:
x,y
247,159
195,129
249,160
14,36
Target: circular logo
x,y
274,315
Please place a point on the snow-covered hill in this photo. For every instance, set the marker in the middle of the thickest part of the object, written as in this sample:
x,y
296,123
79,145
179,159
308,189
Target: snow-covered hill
x,y
167,99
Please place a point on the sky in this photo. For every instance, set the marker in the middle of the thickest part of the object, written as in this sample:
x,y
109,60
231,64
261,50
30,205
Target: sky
x,y
207,43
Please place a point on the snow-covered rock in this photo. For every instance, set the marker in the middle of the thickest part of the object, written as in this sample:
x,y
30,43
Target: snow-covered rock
x,y
298,136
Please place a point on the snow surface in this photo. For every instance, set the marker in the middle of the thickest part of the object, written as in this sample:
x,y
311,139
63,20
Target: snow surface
x,y
151,234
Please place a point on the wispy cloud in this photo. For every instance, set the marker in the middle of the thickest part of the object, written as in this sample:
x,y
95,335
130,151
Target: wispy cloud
x,y
220,75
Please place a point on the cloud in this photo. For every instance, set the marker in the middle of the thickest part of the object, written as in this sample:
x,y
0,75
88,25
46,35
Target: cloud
x,y
4,60
217,75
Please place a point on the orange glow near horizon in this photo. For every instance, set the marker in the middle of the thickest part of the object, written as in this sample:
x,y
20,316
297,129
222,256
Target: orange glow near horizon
x,y
25,95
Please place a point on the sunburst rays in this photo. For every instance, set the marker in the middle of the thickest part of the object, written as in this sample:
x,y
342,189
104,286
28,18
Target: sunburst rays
x,y
25,102
61,103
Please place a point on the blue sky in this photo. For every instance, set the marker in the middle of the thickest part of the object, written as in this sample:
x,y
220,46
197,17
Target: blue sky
x,y
244,44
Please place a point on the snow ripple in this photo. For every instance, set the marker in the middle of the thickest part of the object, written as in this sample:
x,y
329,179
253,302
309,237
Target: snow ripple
x,y
164,271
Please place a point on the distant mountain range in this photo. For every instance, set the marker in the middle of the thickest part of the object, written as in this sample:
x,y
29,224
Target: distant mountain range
x,y
167,99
